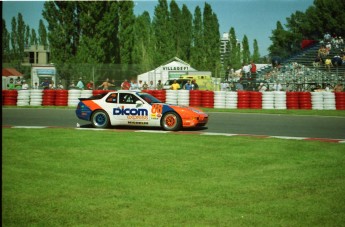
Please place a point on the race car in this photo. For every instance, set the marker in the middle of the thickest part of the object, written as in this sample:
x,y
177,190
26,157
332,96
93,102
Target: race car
x,y
137,109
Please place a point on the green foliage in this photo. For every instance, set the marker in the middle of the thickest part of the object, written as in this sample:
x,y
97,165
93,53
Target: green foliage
x,y
256,53
245,50
323,16
197,57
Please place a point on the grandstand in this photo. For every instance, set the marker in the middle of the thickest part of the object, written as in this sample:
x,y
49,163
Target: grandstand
x,y
299,73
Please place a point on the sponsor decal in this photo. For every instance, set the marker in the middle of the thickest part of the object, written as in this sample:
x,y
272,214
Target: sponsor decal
x,y
132,113
137,123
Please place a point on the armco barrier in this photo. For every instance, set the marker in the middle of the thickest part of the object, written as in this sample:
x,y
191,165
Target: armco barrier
x,y
196,98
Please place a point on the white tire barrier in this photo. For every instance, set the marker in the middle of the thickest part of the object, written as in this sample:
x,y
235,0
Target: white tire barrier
x,y
36,97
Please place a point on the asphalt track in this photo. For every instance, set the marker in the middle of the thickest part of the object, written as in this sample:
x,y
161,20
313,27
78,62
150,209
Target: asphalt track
x,y
229,123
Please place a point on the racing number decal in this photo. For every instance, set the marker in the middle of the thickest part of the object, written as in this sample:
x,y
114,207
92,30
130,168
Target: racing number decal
x,y
157,109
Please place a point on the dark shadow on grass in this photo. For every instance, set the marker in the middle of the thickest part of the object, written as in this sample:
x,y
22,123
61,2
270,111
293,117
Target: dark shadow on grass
x,y
123,127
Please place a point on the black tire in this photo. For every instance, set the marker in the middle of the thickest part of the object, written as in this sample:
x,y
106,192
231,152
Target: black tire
x,y
171,121
100,119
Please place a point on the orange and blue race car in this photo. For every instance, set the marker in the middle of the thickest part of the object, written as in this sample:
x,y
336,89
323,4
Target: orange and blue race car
x,y
137,109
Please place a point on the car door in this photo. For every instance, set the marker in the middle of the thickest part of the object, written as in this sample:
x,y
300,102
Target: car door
x,y
129,112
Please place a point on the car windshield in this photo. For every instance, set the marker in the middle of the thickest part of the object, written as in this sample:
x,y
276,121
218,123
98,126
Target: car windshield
x,y
149,98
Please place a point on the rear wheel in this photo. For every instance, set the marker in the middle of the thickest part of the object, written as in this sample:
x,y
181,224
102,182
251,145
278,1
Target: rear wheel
x,y
100,119
171,121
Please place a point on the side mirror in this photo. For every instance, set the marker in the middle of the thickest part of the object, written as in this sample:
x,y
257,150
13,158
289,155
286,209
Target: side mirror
x,y
139,103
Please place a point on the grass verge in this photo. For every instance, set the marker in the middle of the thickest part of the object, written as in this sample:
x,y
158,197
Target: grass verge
x,y
54,177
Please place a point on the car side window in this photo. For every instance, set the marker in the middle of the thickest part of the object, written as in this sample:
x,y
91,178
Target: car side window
x,y
128,99
112,98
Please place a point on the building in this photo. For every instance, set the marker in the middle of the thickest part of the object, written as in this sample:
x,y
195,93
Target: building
x,y
224,47
174,68
9,73
38,58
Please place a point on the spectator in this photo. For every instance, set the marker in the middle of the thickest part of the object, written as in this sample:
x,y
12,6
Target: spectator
x,y
11,84
327,37
134,85
328,64
175,86
253,69
337,61
18,83
246,71
317,62
224,86
60,86
25,85
106,84
239,86
45,84
159,85
80,84
140,85
152,86
51,85
277,86
188,86
195,86
90,85
125,85
262,87
338,88
35,86
145,86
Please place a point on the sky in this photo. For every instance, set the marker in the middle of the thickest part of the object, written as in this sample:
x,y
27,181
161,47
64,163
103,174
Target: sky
x,y
254,18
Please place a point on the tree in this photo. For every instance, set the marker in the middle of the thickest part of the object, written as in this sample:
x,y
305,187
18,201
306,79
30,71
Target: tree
x,y
176,25
185,33
211,39
42,33
234,58
197,58
126,31
164,48
143,43
27,36
245,50
33,37
5,42
21,28
280,42
256,53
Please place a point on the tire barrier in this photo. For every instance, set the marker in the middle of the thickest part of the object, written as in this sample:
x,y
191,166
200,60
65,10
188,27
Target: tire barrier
x,y
279,100
328,101
160,94
207,99
195,98
23,98
61,98
255,100
48,98
219,99
317,100
243,99
304,99
267,100
183,97
73,97
36,97
292,100
231,100
9,97
340,100
171,97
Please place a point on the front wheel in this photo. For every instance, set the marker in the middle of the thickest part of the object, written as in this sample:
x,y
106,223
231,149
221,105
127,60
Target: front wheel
x,y
100,119
171,121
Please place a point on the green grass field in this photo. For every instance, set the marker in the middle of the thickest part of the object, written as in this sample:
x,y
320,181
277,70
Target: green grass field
x,y
68,177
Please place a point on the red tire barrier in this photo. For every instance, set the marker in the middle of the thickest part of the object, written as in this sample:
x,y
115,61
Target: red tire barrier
x,y
243,99
292,100
48,98
61,98
195,98
159,94
9,97
255,100
304,99
207,99
340,100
